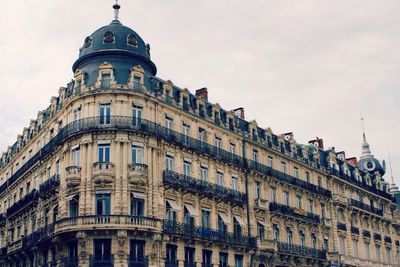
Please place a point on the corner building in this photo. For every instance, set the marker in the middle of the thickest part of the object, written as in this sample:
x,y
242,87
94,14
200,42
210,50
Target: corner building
x,y
126,169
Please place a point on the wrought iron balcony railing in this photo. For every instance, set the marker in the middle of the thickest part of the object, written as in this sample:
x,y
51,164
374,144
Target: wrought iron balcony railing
x,y
23,203
366,233
102,261
377,236
209,234
302,251
52,183
38,236
265,170
388,239
138,262
285,210
360,205
355,230
70,262
202,187
341,226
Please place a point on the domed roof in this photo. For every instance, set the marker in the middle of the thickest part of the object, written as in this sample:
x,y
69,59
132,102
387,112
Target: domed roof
x,y
113,40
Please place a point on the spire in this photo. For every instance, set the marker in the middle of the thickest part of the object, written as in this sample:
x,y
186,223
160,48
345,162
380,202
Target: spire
x,y
366,152
116,8
393,189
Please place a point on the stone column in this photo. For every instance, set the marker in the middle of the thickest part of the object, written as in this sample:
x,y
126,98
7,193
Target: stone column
x,y
124,179
116,159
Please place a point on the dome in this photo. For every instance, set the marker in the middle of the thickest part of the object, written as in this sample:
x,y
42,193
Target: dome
x,y
114,43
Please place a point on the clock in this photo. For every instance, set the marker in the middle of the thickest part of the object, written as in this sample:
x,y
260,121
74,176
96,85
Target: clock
x,y
369,165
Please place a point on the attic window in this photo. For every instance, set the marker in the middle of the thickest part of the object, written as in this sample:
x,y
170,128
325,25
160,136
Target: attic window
x,y
132,40
109,38
88,42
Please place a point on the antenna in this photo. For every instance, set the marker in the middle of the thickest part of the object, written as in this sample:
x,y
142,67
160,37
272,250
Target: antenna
x,y
363,126
116,8
391,171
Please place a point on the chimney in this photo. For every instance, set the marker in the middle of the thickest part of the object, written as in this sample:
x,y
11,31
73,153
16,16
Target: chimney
x,y
239,112
352,161
289,136
318,143
202,93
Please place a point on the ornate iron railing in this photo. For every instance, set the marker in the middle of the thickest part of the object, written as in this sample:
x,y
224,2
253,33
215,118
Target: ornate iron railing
x,y
377,237
203,187
341,226
360,205
297,213
25,202
209,234
38,236
135,262
355,230
51,183
109,262
366,233
388,239
70,262
301,251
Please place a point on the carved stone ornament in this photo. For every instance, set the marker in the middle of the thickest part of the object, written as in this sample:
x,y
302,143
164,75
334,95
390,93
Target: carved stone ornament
x,y
121,236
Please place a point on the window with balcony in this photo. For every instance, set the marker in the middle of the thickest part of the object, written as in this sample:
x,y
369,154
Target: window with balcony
x,y
238,260
185,131
232,148
273,194
137,115
104,153
102,250
313,241
187,168
286,199
188,217
205,218
308,177
72,250
77,114
137,206
323,215
220,178
296,172
237,228
169,163
254,155
275,232
289,235
168,123
207,258
74,206
75,156
260,231
302,239
57,170
223,259
310,207
170,259
235,183
204,173
136,251
283,167
218,143
189,257
298,202
202,135
137,154
105,114
388,255
103,204
222,222
270,162
170,212
326,244
257,190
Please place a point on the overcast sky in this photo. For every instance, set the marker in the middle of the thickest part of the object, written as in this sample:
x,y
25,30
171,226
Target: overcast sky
x,y
310,67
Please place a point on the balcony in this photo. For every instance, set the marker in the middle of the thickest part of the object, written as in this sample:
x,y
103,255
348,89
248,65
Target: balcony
x,y
208,234
97,262
141,262
103,172
261,204
302,251
341,226
211,190
339,198
50,185
38,236
378,237
388,239
138,173
14,246
70,262
268,171
73,176
107,221
366,233
295,213
265,244
24,203
365,207
355,230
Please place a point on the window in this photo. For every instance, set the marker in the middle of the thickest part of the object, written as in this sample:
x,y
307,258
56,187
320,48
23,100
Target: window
x,y
168,123
313,241
238,260
188,218
302,239
223,259
73,250
308,179
202,135
189,257
137,154
74,206
273,194
270,162
342,245
378,253
260,231
298,202
275,229
137,206
237,228
361,198
137,80
366,248
235,183
355,248
105,114
170,213
77,114
207,258
171,255
254,156
103,204
323,215
257,190
388,255
310,207
326,244
218,143
221,223
289,236
136,251
204,173
169,163
102,250
187,168
137,115
205,218
296,172
319,181
286,198
232,148
283,167
104,153
220,178
185,129
75,156
105,80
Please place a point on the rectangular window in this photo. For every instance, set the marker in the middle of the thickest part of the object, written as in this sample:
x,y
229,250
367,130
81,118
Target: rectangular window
x,y
189,257
273,194
207,258
137,206
283,167
223,259
355,248
286,198
170,259
137,115
238,260
102,250
220,178
298,202
310,207
137,154
187,168
275,229
218,142
75,156
103,204
136,252
105,80
104,153
378,253
342,245
169,163
232,148
168,123
270,162
205,218
260,231
296,172
367,253
254,156
105,114
308,177
204,173
74,206
257,190
235,183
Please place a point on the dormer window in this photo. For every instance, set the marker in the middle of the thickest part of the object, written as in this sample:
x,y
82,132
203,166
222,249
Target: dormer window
x,y
132,40
88,42
109,38
105,80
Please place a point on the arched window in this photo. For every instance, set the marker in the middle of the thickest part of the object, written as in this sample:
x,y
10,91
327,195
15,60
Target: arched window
x,y
109,37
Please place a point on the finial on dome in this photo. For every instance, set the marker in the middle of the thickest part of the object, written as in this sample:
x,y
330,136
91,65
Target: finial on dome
x,y
116,8
363,128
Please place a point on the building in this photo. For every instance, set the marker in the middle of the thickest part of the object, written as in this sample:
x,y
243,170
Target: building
x,y
126,169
